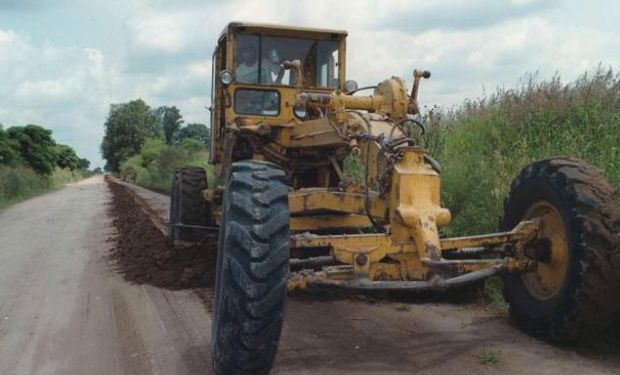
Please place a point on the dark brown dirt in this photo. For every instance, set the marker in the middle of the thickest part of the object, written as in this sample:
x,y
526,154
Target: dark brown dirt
x,y
143,255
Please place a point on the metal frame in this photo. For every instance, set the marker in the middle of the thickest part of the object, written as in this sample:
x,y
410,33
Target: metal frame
x,y
409,256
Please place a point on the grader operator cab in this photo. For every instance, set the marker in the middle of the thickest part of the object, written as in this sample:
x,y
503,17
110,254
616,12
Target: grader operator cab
x,y
283,121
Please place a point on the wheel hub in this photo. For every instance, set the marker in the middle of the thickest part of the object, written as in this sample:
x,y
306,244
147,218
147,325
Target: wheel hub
x,y
550,250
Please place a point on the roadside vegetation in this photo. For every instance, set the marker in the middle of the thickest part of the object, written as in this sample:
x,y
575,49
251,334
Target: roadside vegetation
x,y
153,167
144,145
489,357
483,144
31,162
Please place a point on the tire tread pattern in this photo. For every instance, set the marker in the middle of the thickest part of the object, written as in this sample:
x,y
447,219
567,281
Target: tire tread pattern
x,y
590,300
189,204
253,272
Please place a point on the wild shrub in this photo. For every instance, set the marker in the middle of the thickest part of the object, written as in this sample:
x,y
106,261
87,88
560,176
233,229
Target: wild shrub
x,y
154,166
483,144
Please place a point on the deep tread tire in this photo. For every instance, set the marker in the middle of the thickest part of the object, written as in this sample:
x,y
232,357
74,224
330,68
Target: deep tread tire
x,y
252,269
187,205
587,301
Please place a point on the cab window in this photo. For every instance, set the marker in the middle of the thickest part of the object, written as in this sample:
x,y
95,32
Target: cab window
x,y
258,60
257,102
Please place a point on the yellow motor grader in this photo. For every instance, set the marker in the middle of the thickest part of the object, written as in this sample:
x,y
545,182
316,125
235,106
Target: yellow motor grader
x,y
283,121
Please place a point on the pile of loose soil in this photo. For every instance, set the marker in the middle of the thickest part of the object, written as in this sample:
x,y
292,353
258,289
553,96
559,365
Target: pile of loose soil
x,y
143,255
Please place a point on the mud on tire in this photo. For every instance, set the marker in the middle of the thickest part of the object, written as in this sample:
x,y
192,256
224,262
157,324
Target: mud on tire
x,y
586,301
187,205
252,270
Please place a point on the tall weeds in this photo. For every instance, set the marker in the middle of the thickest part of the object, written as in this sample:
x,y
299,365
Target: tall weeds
x,y
483,144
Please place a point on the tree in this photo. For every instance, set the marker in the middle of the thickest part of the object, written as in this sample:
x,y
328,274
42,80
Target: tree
x,y
67,158
171,120
199,132
127,127
8,148
150,150
36,147
84,164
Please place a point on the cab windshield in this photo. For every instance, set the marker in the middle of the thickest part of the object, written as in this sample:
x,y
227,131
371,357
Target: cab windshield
x,y
258,60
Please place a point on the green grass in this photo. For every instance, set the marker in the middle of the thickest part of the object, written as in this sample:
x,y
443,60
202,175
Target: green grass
x,y
493,290
18,183
488,357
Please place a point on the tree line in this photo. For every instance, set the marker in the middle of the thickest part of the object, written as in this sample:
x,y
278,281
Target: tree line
x,y
34,146
129,125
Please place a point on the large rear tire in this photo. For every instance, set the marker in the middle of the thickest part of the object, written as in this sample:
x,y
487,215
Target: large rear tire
x,y
573,292
252,269
187,204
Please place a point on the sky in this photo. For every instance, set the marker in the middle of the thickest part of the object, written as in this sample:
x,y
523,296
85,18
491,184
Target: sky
x,y
62,62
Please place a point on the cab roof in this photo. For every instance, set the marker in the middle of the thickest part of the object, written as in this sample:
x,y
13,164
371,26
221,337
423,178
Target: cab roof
x,y
283,30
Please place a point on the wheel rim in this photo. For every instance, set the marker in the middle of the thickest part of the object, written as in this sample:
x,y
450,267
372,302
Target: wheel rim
x,y
546,281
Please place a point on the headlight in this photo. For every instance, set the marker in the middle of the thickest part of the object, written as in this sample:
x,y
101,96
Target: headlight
x,y
350,86
300,112
226,77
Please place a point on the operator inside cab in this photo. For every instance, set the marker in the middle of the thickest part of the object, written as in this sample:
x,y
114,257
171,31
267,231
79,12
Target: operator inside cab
x,y
271,72
247,68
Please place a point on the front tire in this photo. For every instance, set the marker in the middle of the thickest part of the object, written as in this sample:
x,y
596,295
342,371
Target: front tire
x,y
252,269
573,292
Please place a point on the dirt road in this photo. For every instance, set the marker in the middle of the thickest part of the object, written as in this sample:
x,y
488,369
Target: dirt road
x,y
65,310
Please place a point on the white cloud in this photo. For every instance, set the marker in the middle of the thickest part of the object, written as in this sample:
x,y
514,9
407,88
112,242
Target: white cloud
x,y
200,69
159,32
39,91
65,89
6,37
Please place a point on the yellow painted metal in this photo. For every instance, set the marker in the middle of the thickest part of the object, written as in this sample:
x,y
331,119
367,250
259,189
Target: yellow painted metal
x,y
333,132
413,242
390,97
415,209
314,133
317,199
409,265
345,247
323,222
524,231
223,114
546,281
281,30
